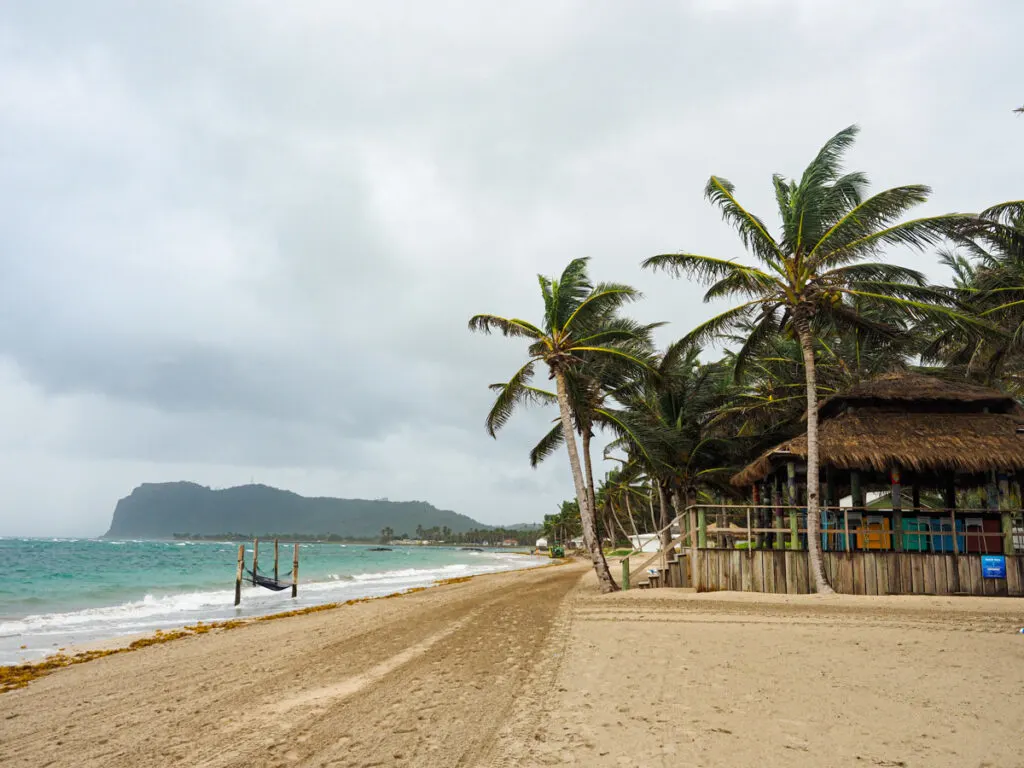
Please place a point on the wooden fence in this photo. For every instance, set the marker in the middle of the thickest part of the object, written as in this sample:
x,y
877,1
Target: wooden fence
x,y
855,573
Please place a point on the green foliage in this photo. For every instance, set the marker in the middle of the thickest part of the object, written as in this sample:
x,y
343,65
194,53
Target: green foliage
x,y
157,510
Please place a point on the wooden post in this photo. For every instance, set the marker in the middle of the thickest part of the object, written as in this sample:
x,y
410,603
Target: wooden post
x,y
1005,514
702,529
950,499
831,502
846,528
238,573
777,540
694,522
1007,533
856,496
794,537
295,572
625,573
750,543
255,558
275,559
992,492
856,500
897,507
756,496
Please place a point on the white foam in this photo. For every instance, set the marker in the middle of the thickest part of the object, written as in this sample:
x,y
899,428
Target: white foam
x,y
43,633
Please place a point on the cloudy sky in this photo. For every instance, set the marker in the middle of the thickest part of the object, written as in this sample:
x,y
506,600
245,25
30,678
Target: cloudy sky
x,y
241,240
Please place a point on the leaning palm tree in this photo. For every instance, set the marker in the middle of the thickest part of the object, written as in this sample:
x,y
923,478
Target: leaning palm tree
x,y
579,324
815,274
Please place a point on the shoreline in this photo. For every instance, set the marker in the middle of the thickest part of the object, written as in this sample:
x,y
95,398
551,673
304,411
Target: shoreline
x,y
43,617
15,676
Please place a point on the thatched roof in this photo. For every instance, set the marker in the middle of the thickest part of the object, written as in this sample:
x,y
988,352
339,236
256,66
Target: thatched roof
x,y
926,392
878,438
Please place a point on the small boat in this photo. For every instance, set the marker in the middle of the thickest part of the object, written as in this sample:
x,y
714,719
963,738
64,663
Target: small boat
x,y
470,549
379,549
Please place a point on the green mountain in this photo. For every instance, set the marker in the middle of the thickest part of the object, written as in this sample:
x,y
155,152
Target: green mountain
x,y
159,510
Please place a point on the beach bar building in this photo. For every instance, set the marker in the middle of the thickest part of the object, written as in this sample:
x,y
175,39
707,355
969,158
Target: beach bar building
x,y
920,494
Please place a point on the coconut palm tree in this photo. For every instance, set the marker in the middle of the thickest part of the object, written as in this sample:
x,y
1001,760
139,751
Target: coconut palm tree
x,y
988,281
816,273
579,324
664,425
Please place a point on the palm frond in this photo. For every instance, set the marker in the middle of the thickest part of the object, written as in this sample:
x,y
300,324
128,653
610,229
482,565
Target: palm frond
x,y
744,282
874,271
508,326
877,212
602,301
719,324
752,231
1008,213
569,291
547,445
763,328
705,269
510,394
916,233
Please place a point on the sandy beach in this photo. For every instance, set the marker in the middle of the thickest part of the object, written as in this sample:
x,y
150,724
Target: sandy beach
x,y
535,668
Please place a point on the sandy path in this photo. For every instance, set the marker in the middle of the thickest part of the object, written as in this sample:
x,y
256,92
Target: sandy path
x,y
663,677
424,680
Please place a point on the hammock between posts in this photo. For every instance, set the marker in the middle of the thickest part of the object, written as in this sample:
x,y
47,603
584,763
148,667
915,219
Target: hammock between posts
x,y
268,582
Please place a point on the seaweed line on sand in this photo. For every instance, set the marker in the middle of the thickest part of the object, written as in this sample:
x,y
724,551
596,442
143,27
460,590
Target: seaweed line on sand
x,y
20,675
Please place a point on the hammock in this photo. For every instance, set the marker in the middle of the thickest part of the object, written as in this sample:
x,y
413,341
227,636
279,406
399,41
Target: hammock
x,y
269,582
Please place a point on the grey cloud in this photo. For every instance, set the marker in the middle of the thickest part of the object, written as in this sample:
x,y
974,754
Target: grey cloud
x,y
244,239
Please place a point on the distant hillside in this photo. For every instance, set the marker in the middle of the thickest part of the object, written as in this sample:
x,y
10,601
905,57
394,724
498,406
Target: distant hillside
x,y
159,510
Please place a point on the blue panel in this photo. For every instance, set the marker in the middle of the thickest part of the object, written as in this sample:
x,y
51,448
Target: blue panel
x,y
993,566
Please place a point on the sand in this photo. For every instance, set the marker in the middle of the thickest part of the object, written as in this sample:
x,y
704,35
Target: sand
x,y
535,668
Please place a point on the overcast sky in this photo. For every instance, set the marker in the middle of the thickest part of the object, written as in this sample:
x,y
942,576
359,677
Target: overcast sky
x,y
241,240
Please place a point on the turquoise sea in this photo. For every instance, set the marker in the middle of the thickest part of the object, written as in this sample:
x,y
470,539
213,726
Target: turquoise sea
x,y
56,593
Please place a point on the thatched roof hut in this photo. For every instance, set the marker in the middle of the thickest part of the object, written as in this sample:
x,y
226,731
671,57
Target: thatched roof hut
x,y
920,423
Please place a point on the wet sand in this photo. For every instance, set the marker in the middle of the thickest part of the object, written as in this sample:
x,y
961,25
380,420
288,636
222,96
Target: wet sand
x,y
534,668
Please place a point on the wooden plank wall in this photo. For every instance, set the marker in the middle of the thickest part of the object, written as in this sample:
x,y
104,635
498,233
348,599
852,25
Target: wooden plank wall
x,y
855,573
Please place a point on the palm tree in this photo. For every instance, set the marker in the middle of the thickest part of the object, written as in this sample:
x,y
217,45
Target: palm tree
x,y
579,325
988,281
664,423
816,274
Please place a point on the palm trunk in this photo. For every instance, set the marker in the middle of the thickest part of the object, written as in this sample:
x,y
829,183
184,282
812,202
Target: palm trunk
x,y
589,471
604,576
632,521
615,519
663,507
650,504
814,557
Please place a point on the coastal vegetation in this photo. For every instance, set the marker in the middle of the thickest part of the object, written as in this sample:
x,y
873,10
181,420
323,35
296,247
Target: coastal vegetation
x,y
821,305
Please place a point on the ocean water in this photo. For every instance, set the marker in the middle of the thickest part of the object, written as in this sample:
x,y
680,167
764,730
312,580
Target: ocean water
x,y
56,593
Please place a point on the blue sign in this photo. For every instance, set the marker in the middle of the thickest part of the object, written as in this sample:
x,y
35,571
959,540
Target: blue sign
x,y
993,566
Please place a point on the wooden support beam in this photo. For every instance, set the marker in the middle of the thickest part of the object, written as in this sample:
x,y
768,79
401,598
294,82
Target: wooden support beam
x,y
295,571
949,496
255,558
275,559
856,492
897,507
777,540
625,574
238,573
794,501
1006,515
